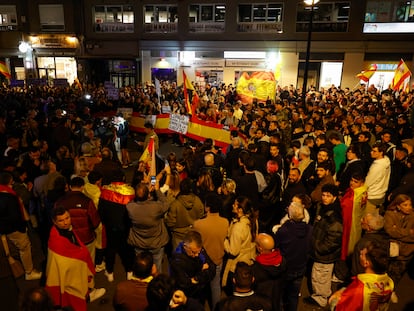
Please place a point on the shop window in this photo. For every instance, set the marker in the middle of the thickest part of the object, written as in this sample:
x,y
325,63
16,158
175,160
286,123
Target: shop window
x,y
57,68
327,17
160,18
8,17
207,17
52,17
266,17
113,18
389,16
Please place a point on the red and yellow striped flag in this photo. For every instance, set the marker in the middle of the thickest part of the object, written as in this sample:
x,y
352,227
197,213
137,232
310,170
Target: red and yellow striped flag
x,y
148,157
190,103
69,271
401,75
5,70
365,75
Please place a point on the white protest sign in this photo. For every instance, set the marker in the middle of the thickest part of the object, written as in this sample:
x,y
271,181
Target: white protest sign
x,y
178,123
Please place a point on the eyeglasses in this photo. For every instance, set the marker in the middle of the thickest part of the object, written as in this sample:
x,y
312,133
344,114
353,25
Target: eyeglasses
x,y
192,252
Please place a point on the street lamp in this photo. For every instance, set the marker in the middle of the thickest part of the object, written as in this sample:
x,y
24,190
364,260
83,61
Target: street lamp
x,y
310,3
27,51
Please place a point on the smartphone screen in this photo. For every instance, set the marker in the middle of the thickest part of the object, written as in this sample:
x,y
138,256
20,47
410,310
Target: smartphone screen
x,y
153,180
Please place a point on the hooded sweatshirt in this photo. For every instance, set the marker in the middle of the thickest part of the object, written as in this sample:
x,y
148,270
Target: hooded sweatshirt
x,y
294,241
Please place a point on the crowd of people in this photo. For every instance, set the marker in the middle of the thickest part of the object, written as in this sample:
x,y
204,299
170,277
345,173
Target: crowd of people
x,y
321,188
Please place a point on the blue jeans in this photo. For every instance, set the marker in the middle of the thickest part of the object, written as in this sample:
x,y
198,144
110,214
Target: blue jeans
x,y
157,254
291,290
215,286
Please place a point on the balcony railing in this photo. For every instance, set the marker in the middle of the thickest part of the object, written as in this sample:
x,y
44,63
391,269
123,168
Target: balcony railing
x,y
206,27
161,27
260,27
114,27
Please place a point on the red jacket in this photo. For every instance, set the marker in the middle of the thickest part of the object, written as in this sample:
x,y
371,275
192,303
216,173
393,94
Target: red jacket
x,y
83,213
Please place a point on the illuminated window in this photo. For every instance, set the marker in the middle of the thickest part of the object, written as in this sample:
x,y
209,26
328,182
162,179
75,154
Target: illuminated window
x,y
8,19
161,14
266,17
160,18
327,17
113,18
389,16
268,12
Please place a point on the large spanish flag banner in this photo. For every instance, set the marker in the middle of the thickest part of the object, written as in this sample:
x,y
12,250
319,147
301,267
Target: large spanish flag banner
x,y
190,96
69,271
260,85
401,76
197,129
4,70
365,75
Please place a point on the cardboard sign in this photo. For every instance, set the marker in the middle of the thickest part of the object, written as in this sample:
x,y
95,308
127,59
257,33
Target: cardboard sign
x,y
178,123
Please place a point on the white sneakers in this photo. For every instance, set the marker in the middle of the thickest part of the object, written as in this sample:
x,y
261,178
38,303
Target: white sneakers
x,y
109,276
34,275
96,293
101,267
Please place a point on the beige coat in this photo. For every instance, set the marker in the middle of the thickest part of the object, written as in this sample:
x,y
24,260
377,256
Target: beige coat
x,y
238,245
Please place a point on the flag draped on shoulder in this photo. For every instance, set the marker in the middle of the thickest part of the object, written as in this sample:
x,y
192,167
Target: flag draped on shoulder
x,y
69,271
368,291
401,76
4,70
148,157
365,75
190,96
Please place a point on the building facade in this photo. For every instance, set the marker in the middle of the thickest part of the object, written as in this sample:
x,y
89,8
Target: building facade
x,y
129,42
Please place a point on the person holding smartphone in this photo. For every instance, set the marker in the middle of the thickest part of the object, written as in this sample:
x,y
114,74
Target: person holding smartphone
x,y
148,231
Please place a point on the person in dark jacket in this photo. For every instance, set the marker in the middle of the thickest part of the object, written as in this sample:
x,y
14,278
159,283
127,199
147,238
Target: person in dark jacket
x,y
353,165
294,241
294,186
13,224
326,245
162,295
268,269
406,182
244,297
9,292
114,216
107,167
191,266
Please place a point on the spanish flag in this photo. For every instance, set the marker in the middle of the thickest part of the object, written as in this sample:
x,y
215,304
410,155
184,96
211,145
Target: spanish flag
x,y
191,98
353,205
365,75
5,70
69,271
401,76
148,157
368,291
